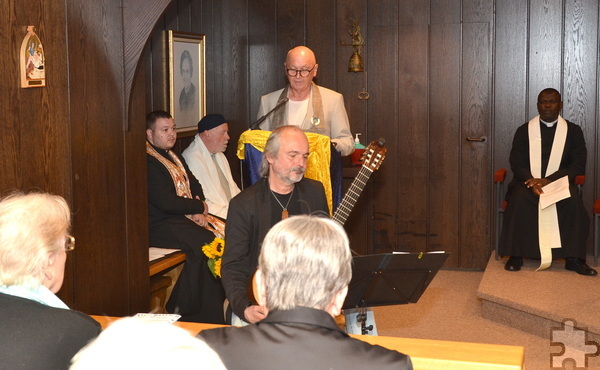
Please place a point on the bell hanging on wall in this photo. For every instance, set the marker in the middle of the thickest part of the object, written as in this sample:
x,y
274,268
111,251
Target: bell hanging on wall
x,y
355,64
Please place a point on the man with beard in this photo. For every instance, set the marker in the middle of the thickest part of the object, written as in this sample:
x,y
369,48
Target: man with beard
x,y
208,163
281,192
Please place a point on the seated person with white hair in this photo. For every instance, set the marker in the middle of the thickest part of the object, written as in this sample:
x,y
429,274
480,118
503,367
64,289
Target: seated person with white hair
x,y
134,343
209,165
37,329
302,279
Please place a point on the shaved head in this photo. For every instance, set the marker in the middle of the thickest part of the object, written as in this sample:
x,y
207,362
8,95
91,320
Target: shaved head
x,y
303,53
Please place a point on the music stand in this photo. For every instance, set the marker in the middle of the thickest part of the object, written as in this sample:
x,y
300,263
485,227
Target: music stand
x,y
390,279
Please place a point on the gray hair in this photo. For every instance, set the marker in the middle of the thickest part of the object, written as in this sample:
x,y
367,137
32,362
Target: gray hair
x,y
272,147
305,261
32,226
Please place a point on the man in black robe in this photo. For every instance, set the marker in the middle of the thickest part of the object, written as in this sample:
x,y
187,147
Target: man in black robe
x,y
176,219
520,231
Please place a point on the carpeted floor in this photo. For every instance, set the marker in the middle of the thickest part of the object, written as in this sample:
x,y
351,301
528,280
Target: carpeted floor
x,y
554,294
450,310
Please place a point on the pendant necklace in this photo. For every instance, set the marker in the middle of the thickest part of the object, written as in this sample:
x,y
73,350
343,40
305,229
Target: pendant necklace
x,y
284,212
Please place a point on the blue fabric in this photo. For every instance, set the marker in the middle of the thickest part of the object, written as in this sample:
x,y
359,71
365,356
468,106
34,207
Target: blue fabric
x,y
251,165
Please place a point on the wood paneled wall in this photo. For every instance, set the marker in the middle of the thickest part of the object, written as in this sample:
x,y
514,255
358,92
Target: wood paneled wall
x,y
437,71
417,55
440,74
543,44
35,154
70,138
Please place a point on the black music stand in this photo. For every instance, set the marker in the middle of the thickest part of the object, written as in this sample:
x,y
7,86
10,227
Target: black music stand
x,y
390,279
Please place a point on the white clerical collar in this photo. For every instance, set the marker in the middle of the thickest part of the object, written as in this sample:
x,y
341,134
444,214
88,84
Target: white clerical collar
x,y
549,124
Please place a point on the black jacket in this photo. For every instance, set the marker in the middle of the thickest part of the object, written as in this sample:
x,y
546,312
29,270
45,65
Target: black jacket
x,y
36,336
302,338
248,221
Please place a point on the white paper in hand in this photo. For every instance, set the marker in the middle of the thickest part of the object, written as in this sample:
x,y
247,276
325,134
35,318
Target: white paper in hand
x,y
555,192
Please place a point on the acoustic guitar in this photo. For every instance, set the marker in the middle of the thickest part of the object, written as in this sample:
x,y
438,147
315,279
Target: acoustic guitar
x,y
372,158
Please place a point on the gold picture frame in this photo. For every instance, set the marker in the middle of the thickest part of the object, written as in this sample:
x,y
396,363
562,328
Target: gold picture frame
x,y
187,80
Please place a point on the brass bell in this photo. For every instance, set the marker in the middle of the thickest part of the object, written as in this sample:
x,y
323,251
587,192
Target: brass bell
x,y
355,64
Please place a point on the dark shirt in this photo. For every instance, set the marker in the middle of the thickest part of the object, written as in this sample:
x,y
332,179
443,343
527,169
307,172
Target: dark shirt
x,y
36,336
251,214
187,100
301,338
163,201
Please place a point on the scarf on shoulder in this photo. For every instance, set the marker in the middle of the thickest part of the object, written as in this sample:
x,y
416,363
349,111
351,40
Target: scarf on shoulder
x,y
176,170
182,187
315,110
549,232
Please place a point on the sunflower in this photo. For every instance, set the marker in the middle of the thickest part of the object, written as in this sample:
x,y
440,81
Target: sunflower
x,y
214,252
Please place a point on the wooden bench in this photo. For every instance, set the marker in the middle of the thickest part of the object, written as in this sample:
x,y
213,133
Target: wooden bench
x,y
166,263
163,273
425,353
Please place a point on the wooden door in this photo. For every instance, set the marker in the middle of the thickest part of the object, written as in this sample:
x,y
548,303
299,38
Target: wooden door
x,y
433,191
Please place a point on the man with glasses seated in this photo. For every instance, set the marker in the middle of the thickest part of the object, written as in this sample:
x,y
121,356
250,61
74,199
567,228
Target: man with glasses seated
x,y
312,108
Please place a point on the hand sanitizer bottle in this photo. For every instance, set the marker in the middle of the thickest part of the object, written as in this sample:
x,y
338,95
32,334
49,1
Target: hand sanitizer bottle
x,y
359,149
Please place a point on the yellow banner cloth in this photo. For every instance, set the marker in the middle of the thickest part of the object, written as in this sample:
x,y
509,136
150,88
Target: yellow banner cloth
x,y
319,158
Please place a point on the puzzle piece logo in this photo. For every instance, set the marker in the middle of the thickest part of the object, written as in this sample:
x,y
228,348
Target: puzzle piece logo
x,y
575,348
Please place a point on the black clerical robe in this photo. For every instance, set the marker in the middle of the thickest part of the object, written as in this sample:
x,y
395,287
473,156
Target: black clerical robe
x,y
197,295
520,227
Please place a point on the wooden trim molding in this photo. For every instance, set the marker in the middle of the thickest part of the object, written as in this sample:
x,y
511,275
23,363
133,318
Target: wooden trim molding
x,y
139,19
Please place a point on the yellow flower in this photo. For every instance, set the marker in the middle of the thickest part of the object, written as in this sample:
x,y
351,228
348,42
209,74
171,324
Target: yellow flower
x,y
218,267
217,246
214,252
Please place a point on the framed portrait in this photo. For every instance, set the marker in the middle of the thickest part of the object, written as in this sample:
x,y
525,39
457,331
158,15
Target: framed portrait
x,y
187,83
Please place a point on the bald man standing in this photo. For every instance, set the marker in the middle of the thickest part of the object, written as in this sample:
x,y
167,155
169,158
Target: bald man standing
x,y
310,107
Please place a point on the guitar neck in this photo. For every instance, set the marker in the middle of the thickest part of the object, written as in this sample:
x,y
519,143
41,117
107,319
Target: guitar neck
x,y
347,204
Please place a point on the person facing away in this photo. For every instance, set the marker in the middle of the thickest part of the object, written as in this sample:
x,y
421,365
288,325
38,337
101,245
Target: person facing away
x,y
311,107
281,192
305,266
544,150
37,329
209,165
177,219
135,343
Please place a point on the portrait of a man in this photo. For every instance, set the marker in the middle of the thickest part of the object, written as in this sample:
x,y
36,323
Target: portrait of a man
x,y
187,79
187,96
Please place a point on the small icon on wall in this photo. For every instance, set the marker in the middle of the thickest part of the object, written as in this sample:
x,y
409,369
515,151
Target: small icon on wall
x,y
32,60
